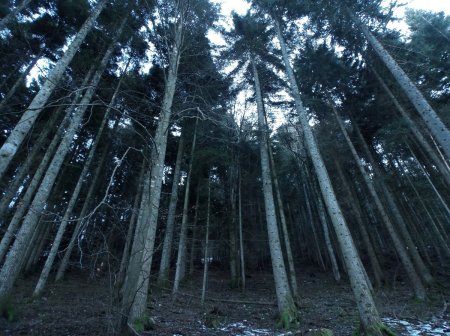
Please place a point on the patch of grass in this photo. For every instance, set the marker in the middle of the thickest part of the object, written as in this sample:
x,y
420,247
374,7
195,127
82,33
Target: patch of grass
x,y
376,330
144,323
7,309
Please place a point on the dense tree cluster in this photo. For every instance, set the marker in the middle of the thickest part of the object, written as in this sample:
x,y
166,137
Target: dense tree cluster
x,y
135,150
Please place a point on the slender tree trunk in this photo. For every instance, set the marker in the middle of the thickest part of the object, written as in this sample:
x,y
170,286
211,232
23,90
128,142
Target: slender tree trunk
x,y
440,163
25,168
206,256
287,240
437,193
424,273
4,21
163,276
140,288
181,257
419,289
26,122
131,229
31,190
429,116
284,296
79,222
194,235
241,235
376,268
369,316
328,243
232,228
74,197
10,271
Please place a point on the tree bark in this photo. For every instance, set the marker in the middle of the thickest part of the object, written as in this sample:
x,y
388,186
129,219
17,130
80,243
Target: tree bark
x,y
182,244
140,288
429,116
370,319
163,276
75,193
284,228
25,168
9,271
206,256
419,289
285,300
440,163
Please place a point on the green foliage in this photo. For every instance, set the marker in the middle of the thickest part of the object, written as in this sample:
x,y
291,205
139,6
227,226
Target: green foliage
x,y
7,309
287,318
375,330
144,323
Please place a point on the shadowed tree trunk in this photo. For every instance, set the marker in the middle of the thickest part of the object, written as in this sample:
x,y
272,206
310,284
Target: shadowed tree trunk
x,y
429,116
163,276
370,319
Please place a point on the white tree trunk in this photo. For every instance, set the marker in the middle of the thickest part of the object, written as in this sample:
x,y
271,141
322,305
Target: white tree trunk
x,y
74,198
9,271
140,288
284,296
206,254
419,289
429,116
441,164
26,122
25,168
182,244
369,316
164,266
287,240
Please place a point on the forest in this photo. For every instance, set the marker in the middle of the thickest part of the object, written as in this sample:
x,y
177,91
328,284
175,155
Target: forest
x,y
168,170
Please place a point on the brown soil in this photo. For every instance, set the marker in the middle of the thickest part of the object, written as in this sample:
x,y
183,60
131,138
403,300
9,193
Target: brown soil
x,y
81,306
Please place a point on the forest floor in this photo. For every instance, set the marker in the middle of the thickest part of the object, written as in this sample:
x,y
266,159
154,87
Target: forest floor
x,y
81,306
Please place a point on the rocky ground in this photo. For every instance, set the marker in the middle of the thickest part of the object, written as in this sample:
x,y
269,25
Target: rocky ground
x,y
82,306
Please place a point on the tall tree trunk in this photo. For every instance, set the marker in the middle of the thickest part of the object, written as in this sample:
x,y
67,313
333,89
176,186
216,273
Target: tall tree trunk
x,y
131,229
26,122
232,228
140,288
163,276
326,232
74,197
356,209
25,168
419,289
424,273
9,271
81,218
194,234
241,235
284,296
436,192
11,15
206,254
287,240
429,116
369,316
182,244
441,164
